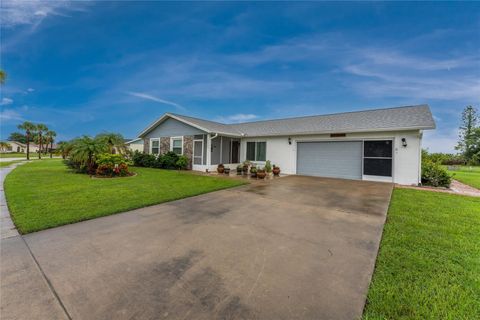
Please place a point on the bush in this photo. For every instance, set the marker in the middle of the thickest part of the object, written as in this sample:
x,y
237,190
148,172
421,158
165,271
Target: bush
x,y
268,166
168,160
111,159
143,159
434,174
182,162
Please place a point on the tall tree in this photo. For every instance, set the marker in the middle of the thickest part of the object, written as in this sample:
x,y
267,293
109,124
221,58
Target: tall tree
x,y
467,129
29,131
51,138
18,137
3,76
41,130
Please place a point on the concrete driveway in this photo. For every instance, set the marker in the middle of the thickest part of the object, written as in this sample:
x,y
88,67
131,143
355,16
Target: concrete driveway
x,y
291,248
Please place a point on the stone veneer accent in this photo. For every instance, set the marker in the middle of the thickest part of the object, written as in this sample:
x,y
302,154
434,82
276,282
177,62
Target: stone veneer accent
x,y
164,145
146,145
188,149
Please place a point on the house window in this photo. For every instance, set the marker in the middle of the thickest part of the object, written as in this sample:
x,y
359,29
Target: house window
x,y
257,151
176,145
377,158
154,146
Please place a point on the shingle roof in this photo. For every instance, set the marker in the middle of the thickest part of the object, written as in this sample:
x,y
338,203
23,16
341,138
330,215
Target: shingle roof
x,y
391,119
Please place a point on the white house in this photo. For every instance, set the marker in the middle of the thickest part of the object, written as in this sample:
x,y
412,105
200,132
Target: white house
x,y
15,146
378,145
135,144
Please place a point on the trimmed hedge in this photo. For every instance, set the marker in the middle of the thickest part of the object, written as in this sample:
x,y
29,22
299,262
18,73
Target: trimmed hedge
x,y
169,160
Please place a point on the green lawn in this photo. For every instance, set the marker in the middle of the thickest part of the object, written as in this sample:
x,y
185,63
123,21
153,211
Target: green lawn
x,y
45,194
468,175
7,163
15,155
429,261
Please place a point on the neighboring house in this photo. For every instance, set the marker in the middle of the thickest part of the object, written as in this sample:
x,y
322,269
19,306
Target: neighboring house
x,y
377,145
16,146
135,144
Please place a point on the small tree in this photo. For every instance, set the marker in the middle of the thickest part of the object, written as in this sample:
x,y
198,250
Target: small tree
x,y
29,131
85,149
114,141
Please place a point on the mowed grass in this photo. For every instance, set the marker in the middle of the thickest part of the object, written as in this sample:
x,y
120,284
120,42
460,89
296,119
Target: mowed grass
x,y
467,174
429,261
15,155
8,163
45,194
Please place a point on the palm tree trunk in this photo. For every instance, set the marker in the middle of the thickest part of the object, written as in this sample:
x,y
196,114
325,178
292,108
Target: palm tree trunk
x,y
40,146
28,146
51,148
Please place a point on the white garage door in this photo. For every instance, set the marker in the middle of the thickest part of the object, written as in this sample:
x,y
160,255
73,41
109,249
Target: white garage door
x,y
335,159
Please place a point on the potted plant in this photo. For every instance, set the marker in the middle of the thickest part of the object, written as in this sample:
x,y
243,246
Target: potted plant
x,y
246,164
239,169
227,170
261,173
253,172
220,168
268,167
276,170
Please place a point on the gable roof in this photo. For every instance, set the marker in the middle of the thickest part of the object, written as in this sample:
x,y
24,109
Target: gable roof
x,y
391,119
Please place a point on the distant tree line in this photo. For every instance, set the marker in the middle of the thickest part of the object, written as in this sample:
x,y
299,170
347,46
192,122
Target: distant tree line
x,y
468,145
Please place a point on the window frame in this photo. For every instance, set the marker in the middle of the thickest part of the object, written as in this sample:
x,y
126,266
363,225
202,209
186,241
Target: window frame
x,y
255,150
171,143
151,145
381,158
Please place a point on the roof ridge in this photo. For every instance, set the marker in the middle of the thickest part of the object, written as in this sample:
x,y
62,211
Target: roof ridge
x,y
329,114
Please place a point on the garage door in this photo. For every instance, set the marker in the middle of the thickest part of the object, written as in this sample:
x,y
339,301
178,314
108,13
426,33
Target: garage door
x,y
338,159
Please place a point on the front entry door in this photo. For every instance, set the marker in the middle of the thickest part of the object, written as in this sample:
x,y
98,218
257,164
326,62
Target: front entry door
x,y
235,151
198,152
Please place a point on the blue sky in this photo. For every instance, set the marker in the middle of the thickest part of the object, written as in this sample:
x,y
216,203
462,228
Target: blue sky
x,y
89,67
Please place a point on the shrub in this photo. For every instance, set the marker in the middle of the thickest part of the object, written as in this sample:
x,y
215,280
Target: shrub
x,y
182,162
435,175
105,170
141,159
268,166
111,159
169,160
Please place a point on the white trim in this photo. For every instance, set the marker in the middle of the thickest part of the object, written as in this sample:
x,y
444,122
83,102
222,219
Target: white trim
x,y
150,145
134,140
193,155
176,138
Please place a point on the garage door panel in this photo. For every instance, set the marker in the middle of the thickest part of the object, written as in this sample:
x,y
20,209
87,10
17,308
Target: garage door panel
x,y
335,159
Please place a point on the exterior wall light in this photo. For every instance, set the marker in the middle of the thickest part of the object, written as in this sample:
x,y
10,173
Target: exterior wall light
x,y
404,142
289,140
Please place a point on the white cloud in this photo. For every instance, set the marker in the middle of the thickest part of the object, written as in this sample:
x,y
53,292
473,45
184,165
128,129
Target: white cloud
x,y
30,90
9,115
156,99
436,141
239,117
31,12
6,101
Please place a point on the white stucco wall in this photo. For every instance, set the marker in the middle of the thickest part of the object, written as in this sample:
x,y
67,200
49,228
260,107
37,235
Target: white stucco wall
x,y
406,160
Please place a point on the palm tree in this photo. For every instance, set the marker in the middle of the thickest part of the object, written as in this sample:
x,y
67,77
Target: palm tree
x,y
29,130
41,129
85,149
114,141
51,138
4,146
64,148
3,76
